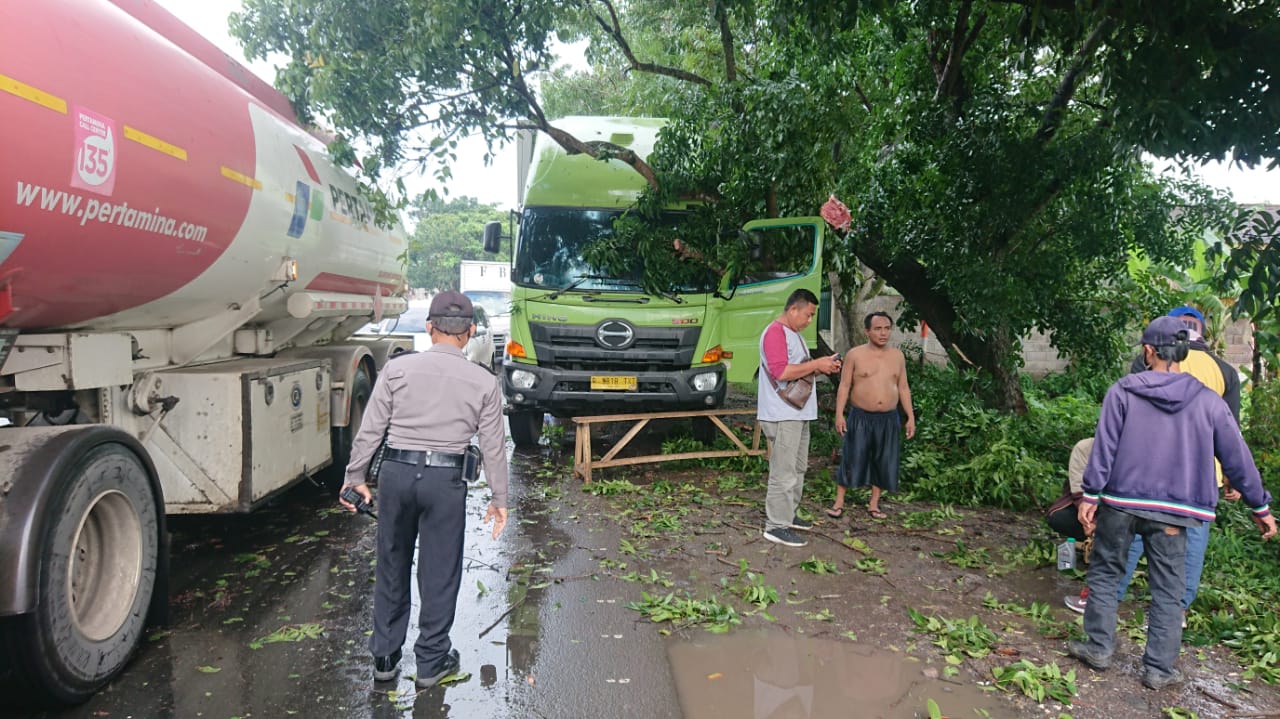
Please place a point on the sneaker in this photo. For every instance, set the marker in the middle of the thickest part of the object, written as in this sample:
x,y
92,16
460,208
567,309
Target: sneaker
x,y
449,664
1075,603
1153,679
386,668
1086,654
800,523
783,535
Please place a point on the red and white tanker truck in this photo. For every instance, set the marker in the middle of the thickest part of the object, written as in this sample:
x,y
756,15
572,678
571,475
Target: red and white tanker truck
x,y
181,268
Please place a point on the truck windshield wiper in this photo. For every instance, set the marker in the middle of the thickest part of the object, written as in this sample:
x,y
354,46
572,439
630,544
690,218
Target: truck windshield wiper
x,y
572,285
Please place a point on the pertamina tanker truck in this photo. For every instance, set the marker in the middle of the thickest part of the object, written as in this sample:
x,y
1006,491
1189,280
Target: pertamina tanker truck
x,y
181,267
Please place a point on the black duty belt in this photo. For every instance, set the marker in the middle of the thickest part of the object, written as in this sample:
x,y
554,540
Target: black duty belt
x,y
428,458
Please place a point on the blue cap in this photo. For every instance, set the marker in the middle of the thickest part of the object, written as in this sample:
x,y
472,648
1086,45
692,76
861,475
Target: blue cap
x,y
1187,311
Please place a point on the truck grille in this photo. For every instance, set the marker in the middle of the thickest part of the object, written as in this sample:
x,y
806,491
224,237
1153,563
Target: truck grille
x,y
575,348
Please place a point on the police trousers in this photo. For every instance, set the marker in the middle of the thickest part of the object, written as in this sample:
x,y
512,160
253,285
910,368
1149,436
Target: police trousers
x,y
425,506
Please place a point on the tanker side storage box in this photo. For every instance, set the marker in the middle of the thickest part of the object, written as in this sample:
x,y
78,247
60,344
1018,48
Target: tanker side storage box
x,y
240,432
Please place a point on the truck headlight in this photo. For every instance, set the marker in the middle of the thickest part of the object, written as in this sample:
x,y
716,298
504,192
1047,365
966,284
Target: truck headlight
x,y
523,379
705,382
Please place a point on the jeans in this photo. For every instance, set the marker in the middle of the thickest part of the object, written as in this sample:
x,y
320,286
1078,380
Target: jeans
x,y
1197,545
788,461
1166,549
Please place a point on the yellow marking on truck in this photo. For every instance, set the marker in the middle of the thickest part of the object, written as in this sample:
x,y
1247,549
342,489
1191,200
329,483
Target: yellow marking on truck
x,y
340,218
243,179
154,143
289,198
27,92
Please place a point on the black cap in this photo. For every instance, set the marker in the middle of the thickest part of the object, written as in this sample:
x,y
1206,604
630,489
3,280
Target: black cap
x,y
451,304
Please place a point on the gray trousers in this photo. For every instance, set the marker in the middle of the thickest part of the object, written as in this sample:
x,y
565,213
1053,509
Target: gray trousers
x,y
426,506
1166,547
788,461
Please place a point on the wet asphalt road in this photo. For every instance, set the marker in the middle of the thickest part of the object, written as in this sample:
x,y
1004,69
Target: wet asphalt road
x,y
271,614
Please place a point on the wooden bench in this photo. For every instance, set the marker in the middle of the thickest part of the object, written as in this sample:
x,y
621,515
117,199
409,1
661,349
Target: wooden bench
x,y
583,464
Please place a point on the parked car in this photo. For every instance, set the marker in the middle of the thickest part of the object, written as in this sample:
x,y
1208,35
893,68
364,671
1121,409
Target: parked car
x,y
413,323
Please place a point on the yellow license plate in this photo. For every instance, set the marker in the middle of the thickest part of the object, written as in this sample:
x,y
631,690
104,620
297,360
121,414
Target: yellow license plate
x,y
614,383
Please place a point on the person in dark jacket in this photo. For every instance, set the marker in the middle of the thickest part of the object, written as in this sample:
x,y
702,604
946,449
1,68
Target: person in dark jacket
x,y
1151,473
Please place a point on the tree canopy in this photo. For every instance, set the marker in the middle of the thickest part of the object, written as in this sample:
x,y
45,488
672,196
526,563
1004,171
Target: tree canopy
x,y
991,152
444,234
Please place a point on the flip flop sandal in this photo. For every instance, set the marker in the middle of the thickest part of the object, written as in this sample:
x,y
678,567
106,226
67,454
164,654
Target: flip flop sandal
x,y
876,514
835,512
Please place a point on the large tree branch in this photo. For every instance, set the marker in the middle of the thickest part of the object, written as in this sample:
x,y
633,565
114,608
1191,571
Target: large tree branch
x,y
613,28
1052,119
949,84
726,42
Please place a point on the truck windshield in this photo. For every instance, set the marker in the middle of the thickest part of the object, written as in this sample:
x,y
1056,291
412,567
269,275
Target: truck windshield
x,y
495,303
549,253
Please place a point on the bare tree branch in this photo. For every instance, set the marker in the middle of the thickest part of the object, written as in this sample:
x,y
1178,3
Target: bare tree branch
x,y
862,96
949,83
613,28
726,42
1079,63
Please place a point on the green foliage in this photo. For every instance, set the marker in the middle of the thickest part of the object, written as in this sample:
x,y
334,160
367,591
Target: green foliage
x,y
965,557
444,234
968,637
611,487
751,587
1039,613
931,517
1236,605
970,455
1037,682
1005,142
814,565
684,611
1263,430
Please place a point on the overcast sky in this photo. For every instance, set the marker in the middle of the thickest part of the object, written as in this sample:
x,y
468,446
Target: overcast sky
x,y
496,183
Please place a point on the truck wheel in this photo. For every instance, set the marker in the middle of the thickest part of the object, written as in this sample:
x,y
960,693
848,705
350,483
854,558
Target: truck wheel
x,y
342,437
705,431
97,574
526,428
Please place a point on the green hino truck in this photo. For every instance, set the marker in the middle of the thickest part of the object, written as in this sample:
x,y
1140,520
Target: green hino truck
x,y
585,342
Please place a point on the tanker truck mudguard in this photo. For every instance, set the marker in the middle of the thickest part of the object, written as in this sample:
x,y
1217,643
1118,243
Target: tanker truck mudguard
x,y
584,342
181,270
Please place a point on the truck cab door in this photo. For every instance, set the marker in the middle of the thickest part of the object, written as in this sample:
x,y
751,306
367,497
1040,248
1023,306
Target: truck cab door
x,y
783,255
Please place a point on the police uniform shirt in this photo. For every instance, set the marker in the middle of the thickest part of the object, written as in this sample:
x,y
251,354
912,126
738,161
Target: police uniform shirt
x,y
434,400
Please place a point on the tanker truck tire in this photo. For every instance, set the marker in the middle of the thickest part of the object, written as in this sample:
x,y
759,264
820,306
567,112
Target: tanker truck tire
x,y
97,575
361,390
526,428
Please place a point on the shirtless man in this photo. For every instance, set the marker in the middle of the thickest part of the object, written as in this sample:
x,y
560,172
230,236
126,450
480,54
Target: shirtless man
x,y
874,380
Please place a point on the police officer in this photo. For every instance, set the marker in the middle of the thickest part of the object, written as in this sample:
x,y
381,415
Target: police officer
x,y
428,405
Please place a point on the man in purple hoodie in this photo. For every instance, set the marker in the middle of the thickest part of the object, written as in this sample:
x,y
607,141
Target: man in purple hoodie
x,y
1151,474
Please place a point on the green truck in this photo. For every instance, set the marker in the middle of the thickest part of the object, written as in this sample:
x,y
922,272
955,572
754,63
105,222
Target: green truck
x,y
583,342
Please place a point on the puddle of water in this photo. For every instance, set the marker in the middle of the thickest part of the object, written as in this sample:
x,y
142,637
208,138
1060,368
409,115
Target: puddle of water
x,y
771,675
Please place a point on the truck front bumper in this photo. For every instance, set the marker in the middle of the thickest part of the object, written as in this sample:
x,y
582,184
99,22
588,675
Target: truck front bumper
x,y
565,392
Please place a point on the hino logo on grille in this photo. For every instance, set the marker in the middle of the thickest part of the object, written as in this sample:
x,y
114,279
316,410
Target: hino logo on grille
x,y
615,334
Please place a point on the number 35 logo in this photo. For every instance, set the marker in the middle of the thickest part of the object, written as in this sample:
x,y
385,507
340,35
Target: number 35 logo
x,y
95,163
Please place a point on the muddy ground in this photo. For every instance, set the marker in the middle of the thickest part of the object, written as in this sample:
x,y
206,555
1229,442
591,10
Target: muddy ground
x,y
272,613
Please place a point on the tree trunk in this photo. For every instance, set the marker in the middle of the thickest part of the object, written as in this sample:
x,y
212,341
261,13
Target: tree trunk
x,y
993,356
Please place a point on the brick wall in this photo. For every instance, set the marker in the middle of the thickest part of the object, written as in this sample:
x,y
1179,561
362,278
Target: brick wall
x,y
1038,356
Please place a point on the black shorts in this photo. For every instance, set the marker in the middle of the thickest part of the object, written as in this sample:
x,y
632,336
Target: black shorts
x,y
872,444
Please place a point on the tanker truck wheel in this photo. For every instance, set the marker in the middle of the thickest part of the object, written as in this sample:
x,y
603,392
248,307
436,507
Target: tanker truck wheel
x,y
342,437
97,574
526,428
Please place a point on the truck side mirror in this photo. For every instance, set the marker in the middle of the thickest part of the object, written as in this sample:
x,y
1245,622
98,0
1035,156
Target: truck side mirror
x,y
492,236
